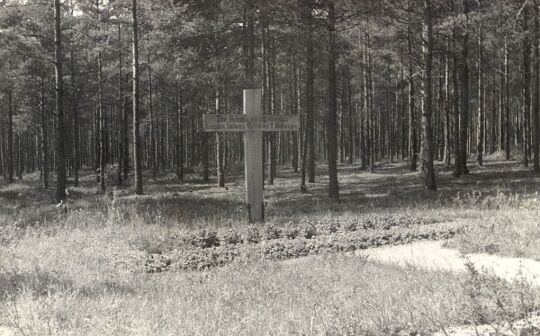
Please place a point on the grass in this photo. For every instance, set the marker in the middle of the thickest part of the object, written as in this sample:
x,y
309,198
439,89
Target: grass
x,y
512,233
84,272
86,291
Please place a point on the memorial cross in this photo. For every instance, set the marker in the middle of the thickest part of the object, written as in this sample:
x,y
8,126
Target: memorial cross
x,y
252,123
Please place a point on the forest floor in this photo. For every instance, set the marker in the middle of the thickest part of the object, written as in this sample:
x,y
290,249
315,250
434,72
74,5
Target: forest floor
x,y
181,259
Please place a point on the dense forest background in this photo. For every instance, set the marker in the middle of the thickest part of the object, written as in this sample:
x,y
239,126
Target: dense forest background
x,y
120,86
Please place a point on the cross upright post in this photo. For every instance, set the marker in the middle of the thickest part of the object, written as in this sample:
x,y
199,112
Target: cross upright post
x,y
253,149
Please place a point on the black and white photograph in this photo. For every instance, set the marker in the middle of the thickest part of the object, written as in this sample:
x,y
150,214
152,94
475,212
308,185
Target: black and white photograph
x,y
269,167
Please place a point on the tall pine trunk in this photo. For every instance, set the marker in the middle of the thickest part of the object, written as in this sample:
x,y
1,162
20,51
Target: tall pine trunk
x,y
526,86
412,113
461,162
447,117
102,150
219,143
536,96
137,149
331,121
427,101
121,112
179,145
507,100
44,138
153,133
10,159
59,100
310,78
481,112
295,107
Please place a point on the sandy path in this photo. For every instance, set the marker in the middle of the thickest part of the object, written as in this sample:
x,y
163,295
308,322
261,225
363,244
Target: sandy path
x,y
431,255
5,331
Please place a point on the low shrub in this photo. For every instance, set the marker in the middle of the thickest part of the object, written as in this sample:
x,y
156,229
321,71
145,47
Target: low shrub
x,y
252,235
204,239
309,243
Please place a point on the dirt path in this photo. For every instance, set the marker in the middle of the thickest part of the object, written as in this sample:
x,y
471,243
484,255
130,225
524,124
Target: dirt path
x,y
5,331
432,255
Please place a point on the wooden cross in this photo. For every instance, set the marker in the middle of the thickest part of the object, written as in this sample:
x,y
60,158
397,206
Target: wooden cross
x,y
252,123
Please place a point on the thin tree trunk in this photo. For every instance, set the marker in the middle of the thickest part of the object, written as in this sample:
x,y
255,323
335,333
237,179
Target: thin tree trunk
x,y
310,78
350,120
333,188
44,139
75,123
296,108
447,127
412,119
59,97
219,143
121,112
179,139
481,112
461,163
11,161
102,153
153,133
536,96
507,100
427,102
137,149
526,86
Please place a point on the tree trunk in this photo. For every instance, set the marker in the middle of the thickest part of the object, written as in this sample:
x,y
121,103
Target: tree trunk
x,y
310,78
447,127
481,112
219,143
507,100
427,101
371,112
536,96
102,153
461,162
75,121
179,145
153,133
333,188
44,139
526,86
10,161
137,149
412,118
295,100
351,121
59,97
121,112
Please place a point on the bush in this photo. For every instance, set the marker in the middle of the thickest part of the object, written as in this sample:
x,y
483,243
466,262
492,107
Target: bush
x,y
252,235
291,231
204,239
270,232
231,237
309,231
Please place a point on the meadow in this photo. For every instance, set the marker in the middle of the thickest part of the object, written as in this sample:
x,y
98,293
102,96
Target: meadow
x,y
181,260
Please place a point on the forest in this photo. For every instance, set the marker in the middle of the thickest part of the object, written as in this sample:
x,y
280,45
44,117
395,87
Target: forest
x,y
401,183
120,86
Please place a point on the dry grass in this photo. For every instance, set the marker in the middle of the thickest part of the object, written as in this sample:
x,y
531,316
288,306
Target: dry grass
x,y
90,282
512,233
81,273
